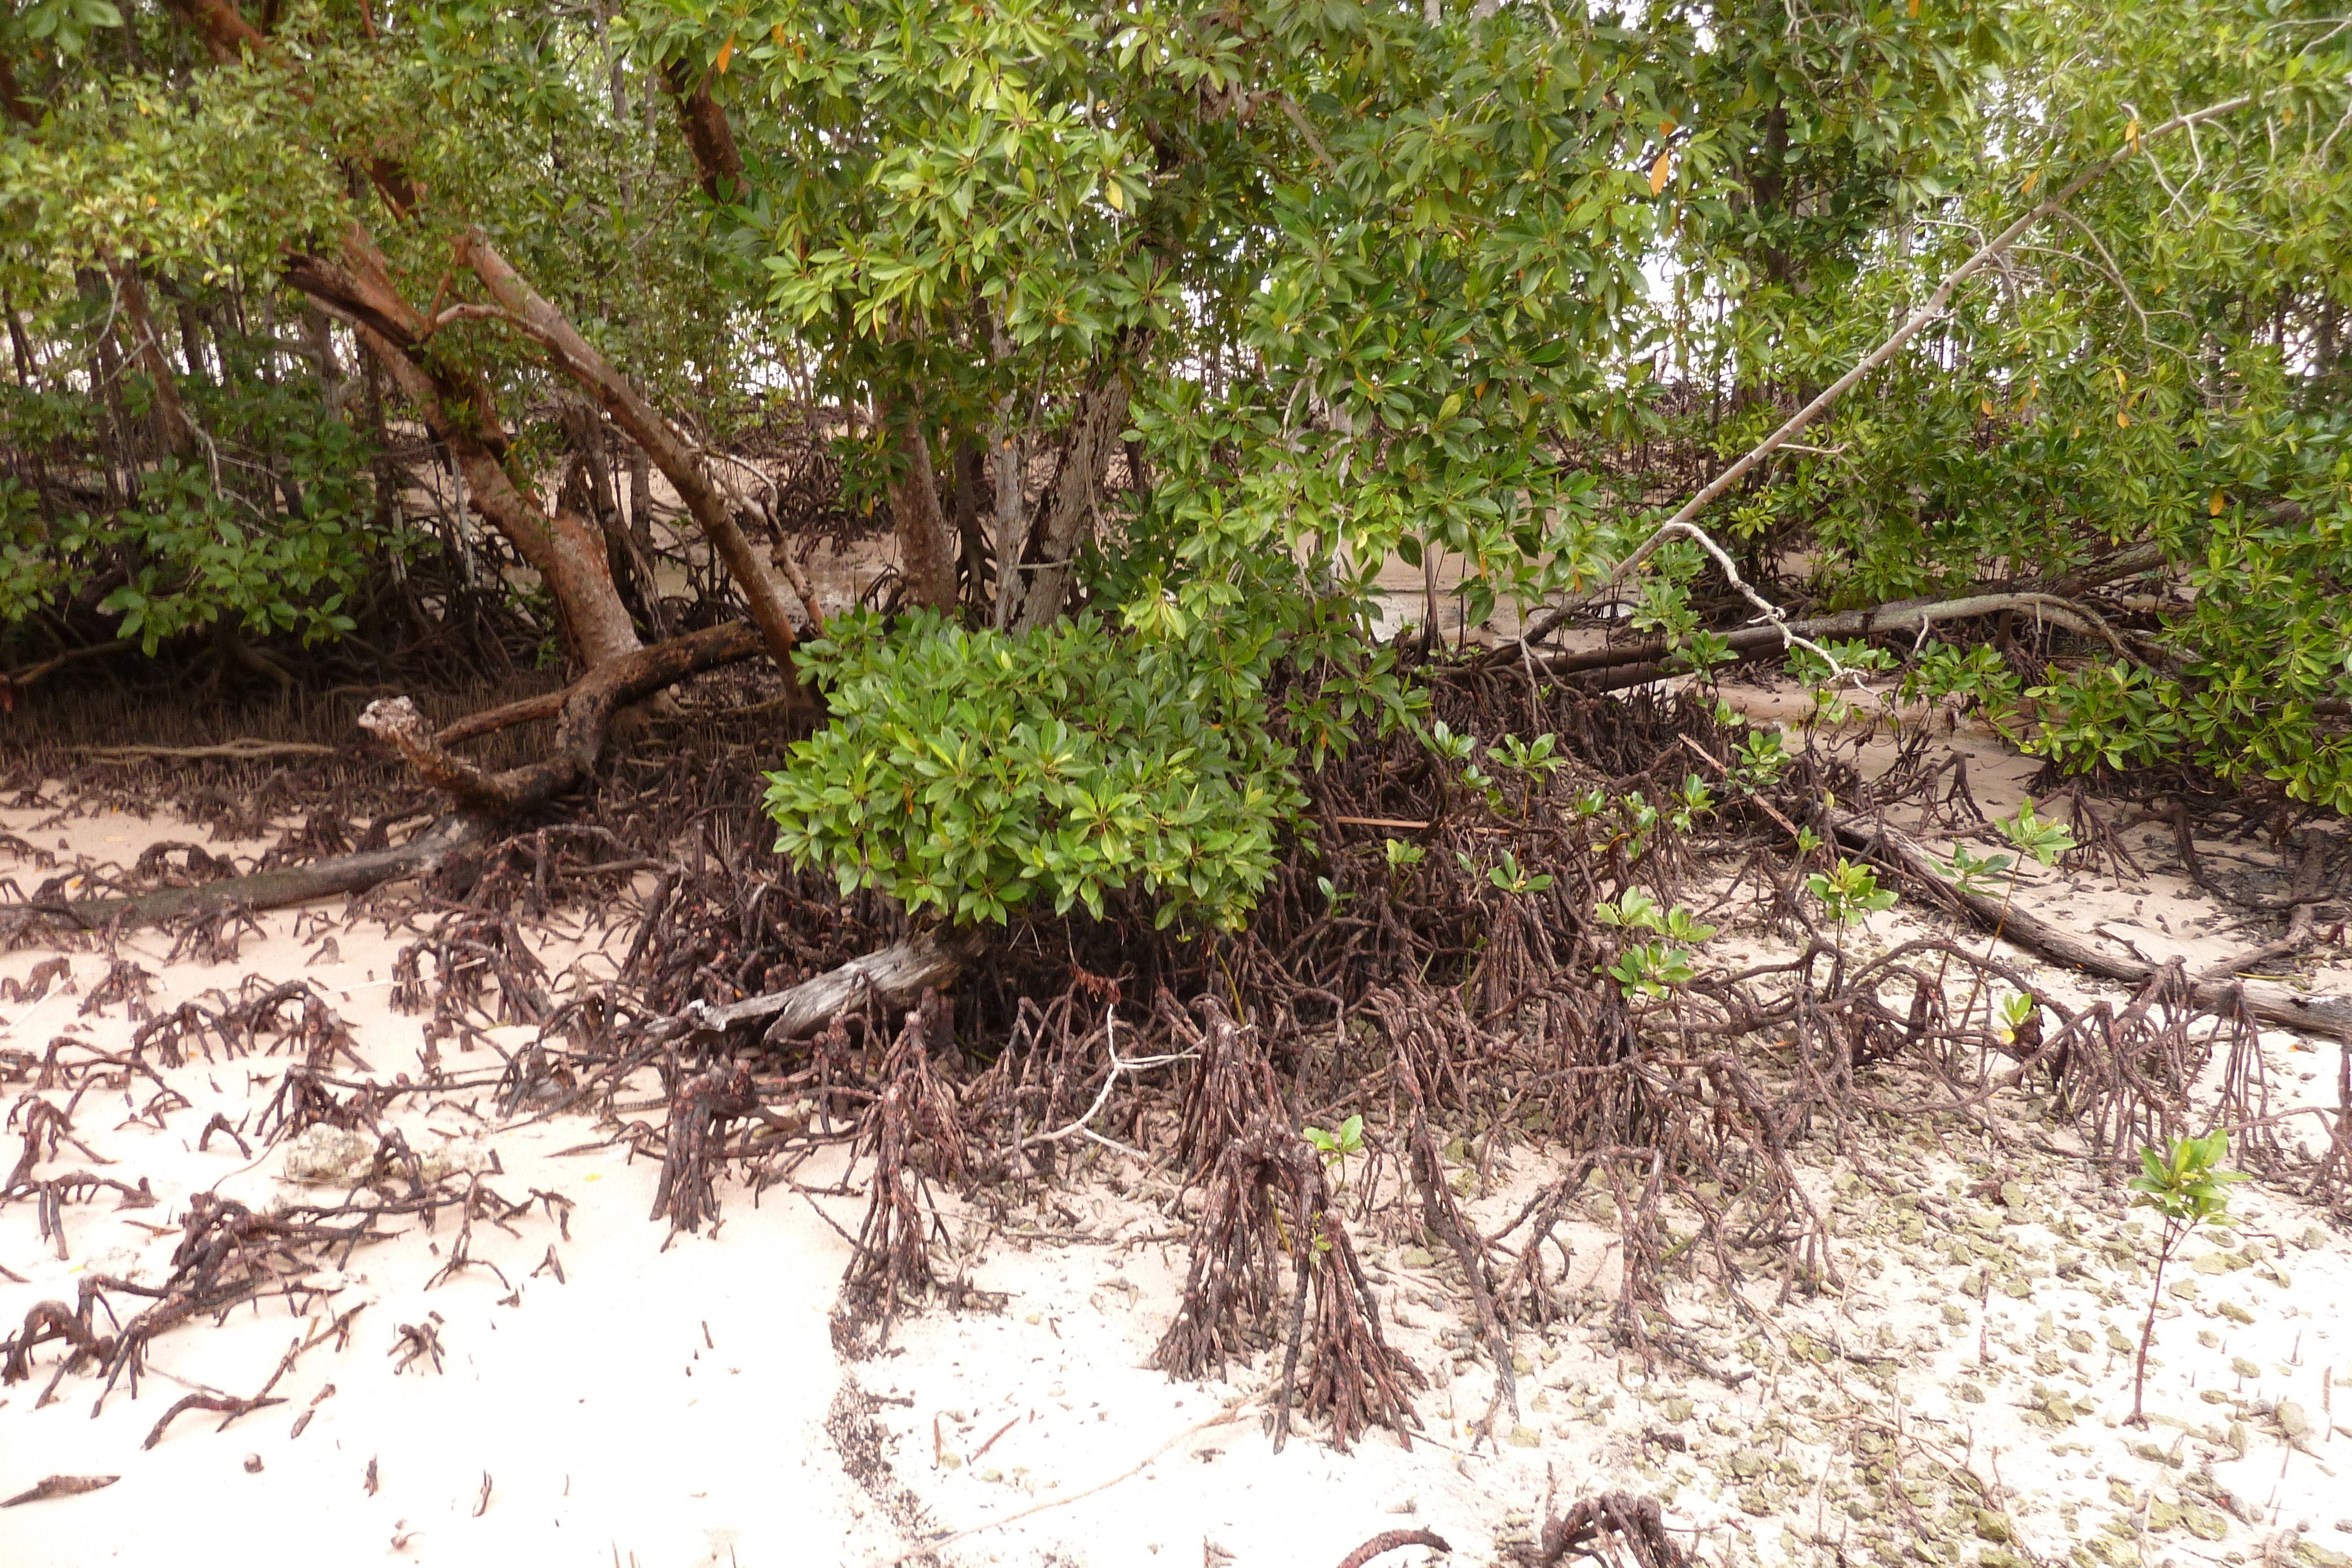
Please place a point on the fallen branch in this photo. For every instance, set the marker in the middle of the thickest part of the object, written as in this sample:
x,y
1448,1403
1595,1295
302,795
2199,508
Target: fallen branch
x,y
587,709
245,748
897,975
2326,1014
278,889
1912,615
229,1403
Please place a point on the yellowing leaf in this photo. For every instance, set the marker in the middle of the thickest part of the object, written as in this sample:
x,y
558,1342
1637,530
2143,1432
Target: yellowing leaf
x,y
1661,170
726,53
1912,9
2033,180
2213,507
2120,383
776,33
1111,194
2131,133
2123,420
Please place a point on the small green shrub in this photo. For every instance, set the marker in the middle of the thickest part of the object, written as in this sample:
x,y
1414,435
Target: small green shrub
x,y
976,774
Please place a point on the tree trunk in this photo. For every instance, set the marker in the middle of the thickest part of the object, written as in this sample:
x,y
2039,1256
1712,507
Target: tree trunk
x,y
1006,458
707,132
566,552
927,557
712,507
971,474
18,342
1050,561
192,342
319,339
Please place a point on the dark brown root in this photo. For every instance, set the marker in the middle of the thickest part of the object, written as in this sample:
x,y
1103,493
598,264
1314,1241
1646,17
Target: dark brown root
x,y
1614,1528
1266,1196
916,1136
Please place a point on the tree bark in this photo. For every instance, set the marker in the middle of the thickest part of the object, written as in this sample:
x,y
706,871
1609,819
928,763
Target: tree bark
x,y
1049,560
174,433
522,308
707,132
927,558
564,550
971,474
583,721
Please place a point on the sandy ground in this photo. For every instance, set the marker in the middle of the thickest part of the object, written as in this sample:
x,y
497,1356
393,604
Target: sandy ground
x,y
1957,1399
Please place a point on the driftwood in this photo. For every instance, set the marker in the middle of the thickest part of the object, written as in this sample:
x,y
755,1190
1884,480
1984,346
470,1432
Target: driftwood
x,y
2326,1013
584,710
586,715
278,889
897,975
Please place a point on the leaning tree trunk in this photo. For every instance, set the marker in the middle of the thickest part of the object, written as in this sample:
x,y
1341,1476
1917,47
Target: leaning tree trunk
x,y
522,308
1050,560
927,553
566,551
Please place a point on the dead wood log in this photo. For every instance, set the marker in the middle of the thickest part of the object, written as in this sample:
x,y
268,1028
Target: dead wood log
x,y
585,719
586,711
1915,615
2327,1013
278,889
897,976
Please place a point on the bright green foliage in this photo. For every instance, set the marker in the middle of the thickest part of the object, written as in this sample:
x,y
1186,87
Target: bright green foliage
x,y
2185,1183
272,535
1336,1143
1849,890
1971,871
2044,840
1652,968
976,774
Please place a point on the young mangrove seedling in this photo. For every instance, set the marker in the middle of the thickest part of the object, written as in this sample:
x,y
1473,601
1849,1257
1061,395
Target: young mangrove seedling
x,y
2187,1185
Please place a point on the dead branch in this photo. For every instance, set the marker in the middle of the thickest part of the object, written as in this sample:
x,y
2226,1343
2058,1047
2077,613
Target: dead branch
x,y
298,885
1913,324
896,975
581,732
1907,615
245,748
2326,1013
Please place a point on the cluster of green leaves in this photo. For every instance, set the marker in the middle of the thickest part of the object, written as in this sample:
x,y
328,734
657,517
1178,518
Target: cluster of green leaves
x,y
1652,968
977,774
273,535
2185,1182
1849,892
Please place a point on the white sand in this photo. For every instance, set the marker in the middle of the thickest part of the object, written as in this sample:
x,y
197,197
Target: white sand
x,y
671,1408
